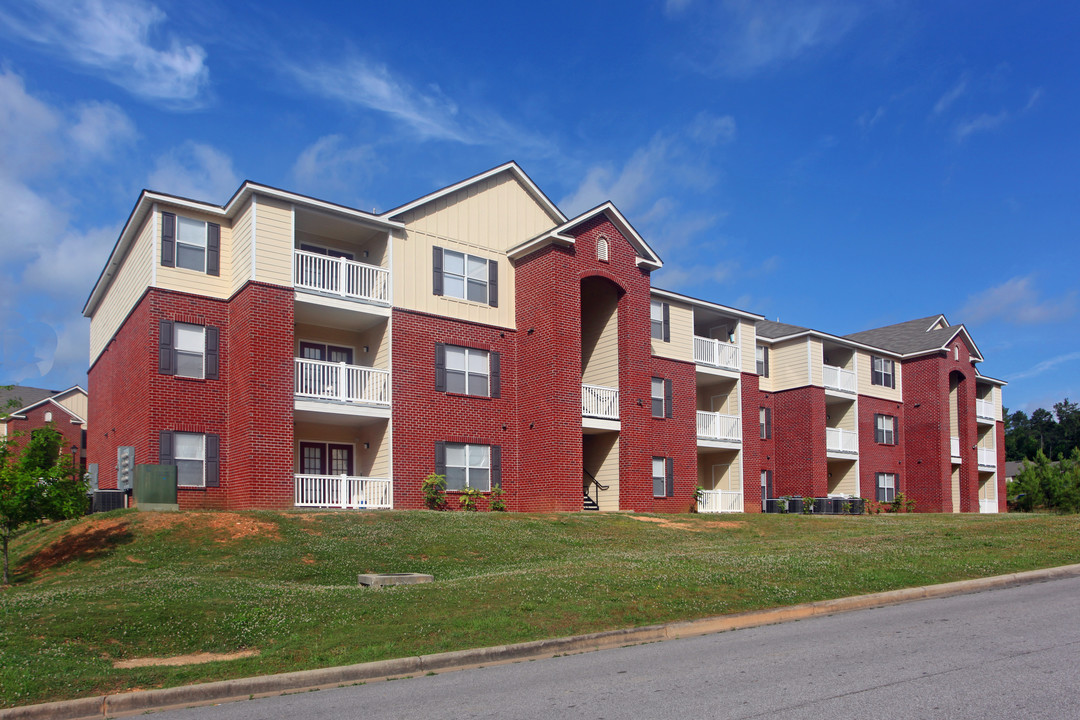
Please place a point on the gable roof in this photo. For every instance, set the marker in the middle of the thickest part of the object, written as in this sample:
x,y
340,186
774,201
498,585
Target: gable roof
x,y
773,330
671,295
509,167
24,396
914,337
53,398
646,256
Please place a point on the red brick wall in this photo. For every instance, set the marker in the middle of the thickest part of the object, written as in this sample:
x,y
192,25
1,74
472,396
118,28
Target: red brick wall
x,y
925,434
674,437
757,454
422,416
19,430
798,421
876,457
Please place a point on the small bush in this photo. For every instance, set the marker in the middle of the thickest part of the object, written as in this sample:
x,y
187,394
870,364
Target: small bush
x,y
469,498
497,504
433,488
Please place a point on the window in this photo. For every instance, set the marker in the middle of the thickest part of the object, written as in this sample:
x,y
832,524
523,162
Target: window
x,y
956,352
887,486
469,277
197,457
885,429
765,422
190,244
326,459
762,356
660,320
466,465
882,372
467,371
661,398
602,249
327,353
766,489
663,477
188,350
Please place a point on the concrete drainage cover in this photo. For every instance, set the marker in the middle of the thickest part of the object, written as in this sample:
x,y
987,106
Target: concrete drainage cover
x,y
378,580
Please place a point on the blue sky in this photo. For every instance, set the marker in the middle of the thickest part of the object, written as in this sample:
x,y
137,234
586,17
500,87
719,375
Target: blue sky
x,y
839,165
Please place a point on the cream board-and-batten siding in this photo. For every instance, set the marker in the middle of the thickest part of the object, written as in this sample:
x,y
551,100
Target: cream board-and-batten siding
x,y
274,242
135,274
681,332
197,282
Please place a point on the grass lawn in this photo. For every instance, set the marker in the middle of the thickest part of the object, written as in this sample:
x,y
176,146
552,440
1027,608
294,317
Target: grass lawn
x,y
126,585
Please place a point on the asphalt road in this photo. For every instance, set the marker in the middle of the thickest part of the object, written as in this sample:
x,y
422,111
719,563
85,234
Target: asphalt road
x,y
1011,653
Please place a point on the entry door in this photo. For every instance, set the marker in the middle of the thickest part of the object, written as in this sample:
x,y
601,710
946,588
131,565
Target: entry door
x,y
318,458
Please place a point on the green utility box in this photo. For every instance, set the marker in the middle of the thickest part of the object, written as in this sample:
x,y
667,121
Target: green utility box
x,y
155,487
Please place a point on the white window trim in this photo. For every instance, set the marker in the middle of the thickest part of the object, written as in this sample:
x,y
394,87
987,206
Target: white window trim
x,y
656,304
179,352
469,373
205,247
467,468
662,477
883,481
177,458
465,277
653,396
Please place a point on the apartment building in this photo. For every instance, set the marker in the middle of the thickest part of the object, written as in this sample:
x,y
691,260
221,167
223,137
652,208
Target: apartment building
x,y
29,409
283,351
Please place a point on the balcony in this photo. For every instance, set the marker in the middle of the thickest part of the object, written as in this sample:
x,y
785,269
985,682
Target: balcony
x,y
341,278
343,491
341,383
988,505
954,449
837,378
984,410
841,441
987,458
599,402
716,353
714,426
720,501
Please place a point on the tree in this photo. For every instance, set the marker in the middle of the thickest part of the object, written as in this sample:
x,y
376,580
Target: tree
x,y
36,483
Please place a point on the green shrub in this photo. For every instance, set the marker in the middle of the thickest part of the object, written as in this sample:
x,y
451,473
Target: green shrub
x,y
433,489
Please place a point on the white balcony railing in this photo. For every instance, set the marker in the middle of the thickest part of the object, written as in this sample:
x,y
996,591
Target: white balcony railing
x,y
837,378
988,458
720,501
841,441
984,409
988,505
343,491
714,426
338,276
954,448
599,402
321,380
716,353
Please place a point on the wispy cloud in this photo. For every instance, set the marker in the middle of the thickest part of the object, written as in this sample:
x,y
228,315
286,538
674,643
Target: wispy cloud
x,y
951,95
115,39
1017,301
1033,99
869,119
331,163
980,123
1045,365
745,37
195,170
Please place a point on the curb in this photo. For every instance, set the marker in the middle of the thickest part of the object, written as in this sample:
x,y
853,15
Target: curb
x,y
105,706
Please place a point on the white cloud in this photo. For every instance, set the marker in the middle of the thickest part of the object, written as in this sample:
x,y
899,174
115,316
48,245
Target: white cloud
x,y
69,267
119,41
1033,99
196,171
329,162
100,129
952,95
1043,366
1017,301
27,129
868,120
711,129
980,123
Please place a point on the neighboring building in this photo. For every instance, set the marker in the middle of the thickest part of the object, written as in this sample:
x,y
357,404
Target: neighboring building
x,y
281,350
37,408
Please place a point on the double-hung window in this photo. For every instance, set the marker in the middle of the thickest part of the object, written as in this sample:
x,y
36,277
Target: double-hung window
x,y
660,320
882,372
765,422
195,455
886,487
188,350
469,277
885,429
661,398
663,476
466,370
469,465
190,244
762,356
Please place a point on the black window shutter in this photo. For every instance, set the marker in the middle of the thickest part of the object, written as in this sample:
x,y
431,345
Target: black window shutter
x,y
874,371
440,458
495,375
668,394
667,323
440,367
496,465
165,448
768,423
213,249
766,362
669,477
213,460
166,349
892,376
213,353
168,240
895,430
436,272
878,434
493,283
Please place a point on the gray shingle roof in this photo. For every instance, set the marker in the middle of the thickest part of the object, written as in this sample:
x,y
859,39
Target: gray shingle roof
x,y
771,330
23,396
906,337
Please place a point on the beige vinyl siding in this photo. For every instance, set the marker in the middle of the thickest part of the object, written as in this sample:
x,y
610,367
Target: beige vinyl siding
x,y
720,399
955,483
996,399
681,346
842,415
368,462
76,403
240,263
864,366
135,275
788,365
814,361
730,478
194,281
601,458
484,219
954,426
748,341
988,487
845,478
600,341
378,355
273,241
986,436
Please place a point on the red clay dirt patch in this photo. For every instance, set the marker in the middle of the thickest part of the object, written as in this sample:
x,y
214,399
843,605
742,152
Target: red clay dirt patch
x,y
691,527
87,540
225,526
